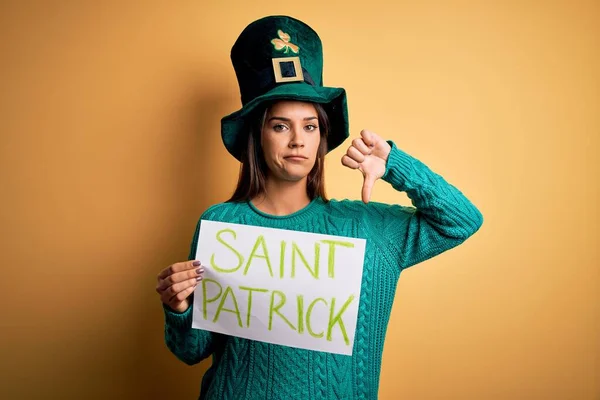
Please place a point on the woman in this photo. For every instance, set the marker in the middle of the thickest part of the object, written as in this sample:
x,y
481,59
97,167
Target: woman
x,y
288,123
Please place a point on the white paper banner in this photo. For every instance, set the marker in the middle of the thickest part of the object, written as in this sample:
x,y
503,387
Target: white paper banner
x,y
279,286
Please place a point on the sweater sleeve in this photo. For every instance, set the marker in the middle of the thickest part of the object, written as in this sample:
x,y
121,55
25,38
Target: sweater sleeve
x,y
189,345
441,219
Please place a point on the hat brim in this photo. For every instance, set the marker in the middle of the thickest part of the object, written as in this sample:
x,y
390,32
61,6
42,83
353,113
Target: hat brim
x,y
235,128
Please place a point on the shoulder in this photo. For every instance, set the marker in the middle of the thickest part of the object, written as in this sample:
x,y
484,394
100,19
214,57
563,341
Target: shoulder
x,y
221,211
371,211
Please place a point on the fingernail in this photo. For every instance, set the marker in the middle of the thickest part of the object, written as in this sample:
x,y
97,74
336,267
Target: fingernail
x,y
199,278
196,263
199,271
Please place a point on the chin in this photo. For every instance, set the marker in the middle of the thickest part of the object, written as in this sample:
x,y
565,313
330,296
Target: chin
x,y
293,176
292,173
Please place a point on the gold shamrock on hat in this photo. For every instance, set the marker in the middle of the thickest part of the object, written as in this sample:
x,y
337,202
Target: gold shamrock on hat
x,y
283,43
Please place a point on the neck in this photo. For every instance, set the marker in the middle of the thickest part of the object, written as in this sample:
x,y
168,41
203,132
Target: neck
x,y
282,197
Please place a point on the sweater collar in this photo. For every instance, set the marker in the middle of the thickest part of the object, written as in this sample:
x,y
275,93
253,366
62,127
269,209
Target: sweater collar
x,y
302,214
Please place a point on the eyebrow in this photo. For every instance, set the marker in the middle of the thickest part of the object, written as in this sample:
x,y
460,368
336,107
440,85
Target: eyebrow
x,y
289,120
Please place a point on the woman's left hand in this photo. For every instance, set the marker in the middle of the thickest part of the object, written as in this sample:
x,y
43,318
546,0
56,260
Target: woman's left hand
x,y
369,154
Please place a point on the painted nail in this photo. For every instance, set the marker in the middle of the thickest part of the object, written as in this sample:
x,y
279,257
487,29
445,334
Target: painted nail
x,y
199,278
199,271
196,263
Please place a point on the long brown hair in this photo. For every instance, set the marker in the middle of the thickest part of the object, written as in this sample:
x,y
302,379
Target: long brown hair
x,y
253,169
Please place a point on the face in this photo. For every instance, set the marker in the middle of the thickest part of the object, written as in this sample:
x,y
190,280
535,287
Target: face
x,y
290,140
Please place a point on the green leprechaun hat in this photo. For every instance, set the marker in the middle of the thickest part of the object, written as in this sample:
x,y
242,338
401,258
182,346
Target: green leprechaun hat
x,y
276,58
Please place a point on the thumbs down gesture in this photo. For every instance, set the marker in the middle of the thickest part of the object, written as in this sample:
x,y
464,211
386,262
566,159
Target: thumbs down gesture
x,y
369,154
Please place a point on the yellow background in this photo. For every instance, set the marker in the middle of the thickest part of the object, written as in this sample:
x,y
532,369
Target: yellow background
x,y
110,151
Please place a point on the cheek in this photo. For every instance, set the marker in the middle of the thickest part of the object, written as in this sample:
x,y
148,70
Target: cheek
x,y
271,150
315,146
267,145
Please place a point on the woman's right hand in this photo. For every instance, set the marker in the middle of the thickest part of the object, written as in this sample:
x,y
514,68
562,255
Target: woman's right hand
x,y
177,282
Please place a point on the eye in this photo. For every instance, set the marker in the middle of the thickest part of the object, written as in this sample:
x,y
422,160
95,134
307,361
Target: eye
x,y
279,127
311,127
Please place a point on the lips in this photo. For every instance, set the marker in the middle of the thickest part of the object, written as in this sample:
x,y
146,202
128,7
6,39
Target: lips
x,y
295,157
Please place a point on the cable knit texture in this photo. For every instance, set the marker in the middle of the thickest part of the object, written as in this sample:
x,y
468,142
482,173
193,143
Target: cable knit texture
x,y
397,238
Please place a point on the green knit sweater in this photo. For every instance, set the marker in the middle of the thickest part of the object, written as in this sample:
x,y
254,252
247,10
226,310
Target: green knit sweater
x,y
397,238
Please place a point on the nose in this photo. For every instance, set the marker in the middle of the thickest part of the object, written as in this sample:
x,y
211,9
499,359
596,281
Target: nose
x,y
297,139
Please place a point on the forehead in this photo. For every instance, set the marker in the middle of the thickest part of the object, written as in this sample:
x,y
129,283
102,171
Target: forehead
x,y
292,107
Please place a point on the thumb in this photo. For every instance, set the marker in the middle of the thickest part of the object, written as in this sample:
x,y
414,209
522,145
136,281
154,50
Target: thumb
x,y
367,187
